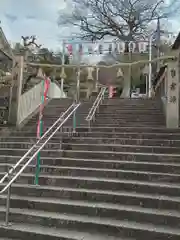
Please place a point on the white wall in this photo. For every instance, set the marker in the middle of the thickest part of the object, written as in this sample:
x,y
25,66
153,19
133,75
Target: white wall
x,y
55,91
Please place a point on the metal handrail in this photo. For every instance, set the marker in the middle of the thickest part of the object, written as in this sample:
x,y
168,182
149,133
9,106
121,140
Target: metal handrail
x,y
95,105
74,106
35,145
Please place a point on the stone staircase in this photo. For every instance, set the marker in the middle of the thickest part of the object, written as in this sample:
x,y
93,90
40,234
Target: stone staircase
x,y
119,181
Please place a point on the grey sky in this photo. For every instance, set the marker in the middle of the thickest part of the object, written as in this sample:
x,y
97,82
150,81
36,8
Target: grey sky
x,y
32,17
35,17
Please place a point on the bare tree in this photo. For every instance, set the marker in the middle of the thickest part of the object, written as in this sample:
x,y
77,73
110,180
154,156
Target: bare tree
x,y
125,20
30,41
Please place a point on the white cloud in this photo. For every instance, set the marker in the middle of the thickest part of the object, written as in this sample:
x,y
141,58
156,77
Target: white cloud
x,y
32,17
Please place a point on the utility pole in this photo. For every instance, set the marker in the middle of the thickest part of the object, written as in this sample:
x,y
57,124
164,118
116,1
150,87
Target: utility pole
x,y
158,43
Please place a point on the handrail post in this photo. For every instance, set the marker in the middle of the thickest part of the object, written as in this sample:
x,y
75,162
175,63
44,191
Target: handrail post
x,y
8,206
74,121
8,199
89,125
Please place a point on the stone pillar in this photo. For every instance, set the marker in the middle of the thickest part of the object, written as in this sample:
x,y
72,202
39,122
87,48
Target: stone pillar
x,y
172,105
16,89
126,83
97,80
63,77
90,82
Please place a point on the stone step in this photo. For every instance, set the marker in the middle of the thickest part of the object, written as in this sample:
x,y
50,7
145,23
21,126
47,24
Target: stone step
x,y
106,147
131,106
106,154
91,154
109,135
10,141
129,113
107,118
94,209
126,109
8,239
162,164
142,130
56,170
127,120
47,123
135,104
128,124
97,140
84,127
160,187
120,129
127,116
97,151
129,198
118,228
31,231
115,148
128,135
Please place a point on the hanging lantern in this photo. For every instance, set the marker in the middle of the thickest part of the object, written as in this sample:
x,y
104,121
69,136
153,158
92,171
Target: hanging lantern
x,y
116,50
90,72
142,46
40,73
95,48
110,48
80,49
119,73
63,74
100,49
97,78
131,46
145,70
121,47
90,50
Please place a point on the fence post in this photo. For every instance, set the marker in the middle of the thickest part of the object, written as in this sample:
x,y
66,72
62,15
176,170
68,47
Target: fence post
x,y
16,89
40,132
8,206
8,199
74,120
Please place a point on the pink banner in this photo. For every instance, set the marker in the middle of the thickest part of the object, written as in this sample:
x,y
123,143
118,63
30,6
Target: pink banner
x,y
112,91
46,88
70,49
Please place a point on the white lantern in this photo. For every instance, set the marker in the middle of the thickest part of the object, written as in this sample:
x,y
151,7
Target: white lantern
x,y
131,46
142,46
90,72
121,47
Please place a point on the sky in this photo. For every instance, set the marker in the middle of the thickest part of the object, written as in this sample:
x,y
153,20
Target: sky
x,y
33,17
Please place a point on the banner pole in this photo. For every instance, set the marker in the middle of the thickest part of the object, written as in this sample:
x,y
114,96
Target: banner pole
x,y
40,127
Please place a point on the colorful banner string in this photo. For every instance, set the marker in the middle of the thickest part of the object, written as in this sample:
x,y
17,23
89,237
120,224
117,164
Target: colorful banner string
x,y
101,48
46,85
